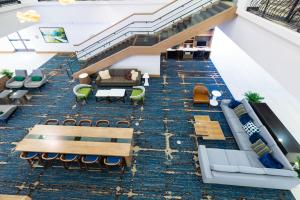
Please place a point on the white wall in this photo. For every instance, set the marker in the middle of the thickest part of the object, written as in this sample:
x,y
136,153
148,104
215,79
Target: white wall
x,y
146,64
86,12
5,45
274,47
241,73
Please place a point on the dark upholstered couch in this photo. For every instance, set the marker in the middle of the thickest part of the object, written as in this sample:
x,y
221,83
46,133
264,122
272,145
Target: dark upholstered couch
x,y
118,78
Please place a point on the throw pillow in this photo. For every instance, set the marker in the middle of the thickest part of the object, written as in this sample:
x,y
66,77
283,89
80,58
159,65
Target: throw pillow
x,y
260,148
233,103
240,110
36,78
256,136
134,75
245,118
104,75
19,78
251,128
270,162
128,75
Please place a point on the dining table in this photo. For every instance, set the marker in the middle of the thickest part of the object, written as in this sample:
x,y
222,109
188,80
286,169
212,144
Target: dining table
x,y
81,140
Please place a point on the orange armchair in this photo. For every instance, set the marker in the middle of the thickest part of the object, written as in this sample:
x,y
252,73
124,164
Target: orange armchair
x,y
201,94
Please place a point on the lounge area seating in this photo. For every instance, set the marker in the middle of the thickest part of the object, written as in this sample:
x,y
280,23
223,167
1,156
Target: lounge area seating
x,y
200,94
138,94
6,111
118,77
36,79
82,92
242,167
18,80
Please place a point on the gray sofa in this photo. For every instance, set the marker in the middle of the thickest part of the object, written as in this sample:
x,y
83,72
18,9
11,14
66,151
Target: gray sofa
x,y
118,78
242,167
7,110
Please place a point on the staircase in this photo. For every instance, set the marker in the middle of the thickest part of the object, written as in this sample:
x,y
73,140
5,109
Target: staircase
x,y
171,25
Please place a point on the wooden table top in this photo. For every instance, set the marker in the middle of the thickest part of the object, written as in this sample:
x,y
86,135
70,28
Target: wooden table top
x,y
210,130
82,131
14,197
58,143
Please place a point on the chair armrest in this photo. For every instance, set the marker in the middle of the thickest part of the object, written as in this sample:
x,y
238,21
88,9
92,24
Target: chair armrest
x,y
204,161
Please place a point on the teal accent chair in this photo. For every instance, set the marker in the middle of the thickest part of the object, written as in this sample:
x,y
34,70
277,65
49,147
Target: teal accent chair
x,y
138,94
82,92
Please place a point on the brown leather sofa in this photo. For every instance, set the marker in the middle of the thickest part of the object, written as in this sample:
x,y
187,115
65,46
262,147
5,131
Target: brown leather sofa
x,y
201,94
118,78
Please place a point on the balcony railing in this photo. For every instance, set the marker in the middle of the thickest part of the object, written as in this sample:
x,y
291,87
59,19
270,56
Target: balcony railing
x,y
8,2
284,12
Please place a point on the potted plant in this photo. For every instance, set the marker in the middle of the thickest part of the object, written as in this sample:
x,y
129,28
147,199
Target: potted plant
x,y
7,73
5,76
297,166
253,97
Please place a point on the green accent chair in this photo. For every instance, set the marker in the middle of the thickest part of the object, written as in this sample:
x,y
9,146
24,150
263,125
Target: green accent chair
x,y
138,94
82,92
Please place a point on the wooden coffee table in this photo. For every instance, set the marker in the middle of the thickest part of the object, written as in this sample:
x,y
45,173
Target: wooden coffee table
x,y
209,130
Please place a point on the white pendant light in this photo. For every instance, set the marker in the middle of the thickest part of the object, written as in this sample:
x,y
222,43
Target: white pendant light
x,y
28,16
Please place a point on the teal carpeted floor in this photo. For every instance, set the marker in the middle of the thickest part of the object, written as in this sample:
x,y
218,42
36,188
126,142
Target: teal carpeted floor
x,y
163,167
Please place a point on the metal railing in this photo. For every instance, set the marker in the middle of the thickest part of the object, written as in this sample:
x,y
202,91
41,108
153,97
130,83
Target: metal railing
x,y
147,27
284,12
9,2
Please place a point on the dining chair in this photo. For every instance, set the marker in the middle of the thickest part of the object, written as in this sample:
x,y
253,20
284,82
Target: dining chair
x,y
69,122
52,122
123,123
48,158
89,160
29,156
99,123
66,159
85,122
113,161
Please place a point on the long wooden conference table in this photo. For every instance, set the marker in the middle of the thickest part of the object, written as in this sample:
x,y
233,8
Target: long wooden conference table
x,y
81,140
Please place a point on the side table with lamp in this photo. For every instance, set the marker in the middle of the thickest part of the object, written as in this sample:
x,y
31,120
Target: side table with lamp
x,y
146,77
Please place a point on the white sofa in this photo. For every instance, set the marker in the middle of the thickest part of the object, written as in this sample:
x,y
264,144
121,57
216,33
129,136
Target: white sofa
x,y
242,167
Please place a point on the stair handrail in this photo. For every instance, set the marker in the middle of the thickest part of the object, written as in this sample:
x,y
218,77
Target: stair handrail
x,y
141,28
132,21
126,18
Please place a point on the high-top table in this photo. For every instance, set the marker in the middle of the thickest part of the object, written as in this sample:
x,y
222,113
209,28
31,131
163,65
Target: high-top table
x,y
81,140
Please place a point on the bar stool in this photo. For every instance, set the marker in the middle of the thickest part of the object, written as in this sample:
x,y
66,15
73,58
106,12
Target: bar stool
x,y
99,123
29,156
123,123
90,159
112,161
69,122
85,122
52,122
69,158
48,158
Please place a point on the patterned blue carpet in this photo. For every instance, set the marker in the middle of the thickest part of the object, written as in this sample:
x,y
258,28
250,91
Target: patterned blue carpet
x,y
162,168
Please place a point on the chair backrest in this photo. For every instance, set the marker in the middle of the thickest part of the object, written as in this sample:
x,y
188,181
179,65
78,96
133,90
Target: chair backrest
x,y
85,122
99,123
200,90
77,87
37,72
123,123
21,72
70,122
52,122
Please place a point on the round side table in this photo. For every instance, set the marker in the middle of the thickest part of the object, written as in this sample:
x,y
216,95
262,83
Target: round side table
x,y
84,78
214,101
